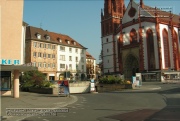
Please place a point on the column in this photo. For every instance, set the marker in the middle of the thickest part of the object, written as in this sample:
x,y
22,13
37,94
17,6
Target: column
x,y
16,84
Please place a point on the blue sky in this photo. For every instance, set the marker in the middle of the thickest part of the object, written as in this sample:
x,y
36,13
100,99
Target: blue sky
x,y
80,19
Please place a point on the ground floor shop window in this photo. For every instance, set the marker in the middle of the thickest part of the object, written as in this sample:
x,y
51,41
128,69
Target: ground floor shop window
x,y
5,80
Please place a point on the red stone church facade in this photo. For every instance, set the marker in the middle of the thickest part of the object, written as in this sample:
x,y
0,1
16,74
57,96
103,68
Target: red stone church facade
x,y
139,39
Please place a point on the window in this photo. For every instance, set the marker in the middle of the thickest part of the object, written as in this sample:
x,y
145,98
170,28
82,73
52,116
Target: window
x,y
107,50
70,66
44,45
34,44
59,39
62,66
38,45
62,57
82,59
44,55
74,43
76,50
47,37
70,49
49,46
76,59
49,65
41,45
39,64
82,67
62,48
49,55
54,47
68,42
38,35
53,56
133,36
39,54
5,80
82,51
107,40
34,64
34,54
70,58
44,65
166,49
53,65
150,49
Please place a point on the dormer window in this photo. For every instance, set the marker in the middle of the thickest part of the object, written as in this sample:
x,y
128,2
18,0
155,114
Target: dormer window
x,y
59,39
74,43
38,36
47,37
68,41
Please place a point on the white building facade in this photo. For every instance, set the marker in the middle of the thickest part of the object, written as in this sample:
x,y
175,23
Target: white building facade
x,y
71,57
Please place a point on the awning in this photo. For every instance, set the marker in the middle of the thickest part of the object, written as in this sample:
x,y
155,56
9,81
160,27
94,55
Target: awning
x,y
171,72
148,73
17,67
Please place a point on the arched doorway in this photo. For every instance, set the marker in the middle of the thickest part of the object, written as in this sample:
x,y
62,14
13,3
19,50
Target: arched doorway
x,y
131,66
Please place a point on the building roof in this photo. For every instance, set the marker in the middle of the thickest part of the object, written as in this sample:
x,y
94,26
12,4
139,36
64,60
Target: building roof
x,y
163,16
65,40
24,23
31,33
89,56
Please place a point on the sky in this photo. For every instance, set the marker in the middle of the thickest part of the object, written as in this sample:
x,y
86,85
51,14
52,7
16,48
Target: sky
x,y
79,19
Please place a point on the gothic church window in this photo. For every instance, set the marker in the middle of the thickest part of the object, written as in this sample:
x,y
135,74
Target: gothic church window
x,y
133,36
150,49
166,48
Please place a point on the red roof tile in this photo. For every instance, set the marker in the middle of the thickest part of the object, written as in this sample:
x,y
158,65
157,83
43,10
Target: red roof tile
x,y
32,31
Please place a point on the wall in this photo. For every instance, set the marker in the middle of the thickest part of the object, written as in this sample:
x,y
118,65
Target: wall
x,y
80,87
11,26
108,56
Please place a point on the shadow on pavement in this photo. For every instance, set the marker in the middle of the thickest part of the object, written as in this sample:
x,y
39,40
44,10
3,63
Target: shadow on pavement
x,y
169,113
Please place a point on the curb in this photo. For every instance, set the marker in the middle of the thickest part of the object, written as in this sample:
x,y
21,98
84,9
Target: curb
x,y
146,89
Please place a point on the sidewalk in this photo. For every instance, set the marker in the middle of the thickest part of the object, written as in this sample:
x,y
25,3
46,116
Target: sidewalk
x,y
146,86
33,100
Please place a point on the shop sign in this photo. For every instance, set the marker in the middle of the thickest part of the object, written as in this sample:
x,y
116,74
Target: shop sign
x,y
9,62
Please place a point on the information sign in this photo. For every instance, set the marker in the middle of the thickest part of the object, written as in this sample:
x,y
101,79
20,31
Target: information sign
x,y
63,87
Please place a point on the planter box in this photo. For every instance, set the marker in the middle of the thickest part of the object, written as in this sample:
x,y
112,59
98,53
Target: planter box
x,y
112,87
41,90
78,87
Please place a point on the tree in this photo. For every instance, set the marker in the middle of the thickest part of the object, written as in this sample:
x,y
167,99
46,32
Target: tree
x,y
34,78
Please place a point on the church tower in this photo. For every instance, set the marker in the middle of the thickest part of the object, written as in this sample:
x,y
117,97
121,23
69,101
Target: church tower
x,y
110,17
110,20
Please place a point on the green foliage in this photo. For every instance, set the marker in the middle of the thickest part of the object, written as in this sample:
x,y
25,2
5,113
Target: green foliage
x,y
47,84
34,79
110,79
126,82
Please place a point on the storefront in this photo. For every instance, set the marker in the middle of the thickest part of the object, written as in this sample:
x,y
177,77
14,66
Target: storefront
x,y
9,79
5,80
